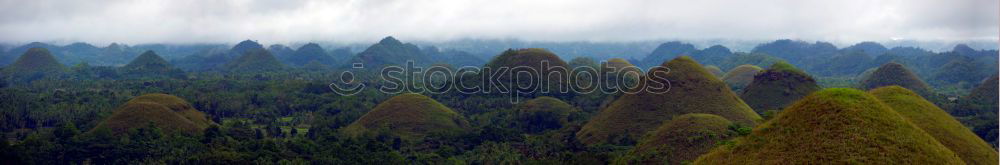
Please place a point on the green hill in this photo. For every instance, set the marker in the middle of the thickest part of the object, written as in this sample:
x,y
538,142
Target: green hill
x,y
148,63
692,90
835,126
35,60
741,76
307,53
410,116
544,113
894,74
682,139
533,59
778,86
937,123
715,70
986,92
389,52
167,112
254,60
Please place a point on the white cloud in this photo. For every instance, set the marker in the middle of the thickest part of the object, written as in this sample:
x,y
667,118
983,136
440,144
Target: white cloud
x,y
279,21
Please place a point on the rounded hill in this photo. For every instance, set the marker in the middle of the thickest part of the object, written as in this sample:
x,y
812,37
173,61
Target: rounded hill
x,y
410,116
836,126
682,139
35,60
544,113
894,74
741,76
937,123
167,112
254,60
692,90
148,63
778,86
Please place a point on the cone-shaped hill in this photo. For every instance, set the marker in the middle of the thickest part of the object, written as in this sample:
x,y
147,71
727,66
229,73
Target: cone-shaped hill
x,y
937,123
409,116
253,61
544,113
778,86
986,92
390,51
309,52
715,70
741,76
835,126
148,63
682,139
533,59
167,112
692,90
894,74
35,60
243,47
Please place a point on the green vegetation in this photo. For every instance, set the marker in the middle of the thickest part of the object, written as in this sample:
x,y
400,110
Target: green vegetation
x,y
894,74
166,112
308,53
389,52
836,125
34,64
777,87
682,139
692,90
410,116
741,76
937,123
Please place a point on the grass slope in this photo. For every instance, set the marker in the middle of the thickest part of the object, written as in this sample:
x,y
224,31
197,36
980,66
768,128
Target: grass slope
x,y
410,116
835,126
692,90
778,86
682,139
937,123
167,112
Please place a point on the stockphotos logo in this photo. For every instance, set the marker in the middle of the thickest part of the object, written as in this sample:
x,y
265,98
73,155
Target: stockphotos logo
x,y
512,81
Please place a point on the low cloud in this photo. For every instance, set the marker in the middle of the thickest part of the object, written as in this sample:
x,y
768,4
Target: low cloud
x,y
348,21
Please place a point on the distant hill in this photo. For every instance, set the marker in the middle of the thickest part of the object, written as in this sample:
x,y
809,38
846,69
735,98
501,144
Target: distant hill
x,y
243,47
681,139
870,48
148,64
986,92
254,61
712,55
390,51
715,70
777,87
692,90
167,112
667,51
894,74
837,126
531,58
937,123
741,76
35,60
544,113
309,52
409,116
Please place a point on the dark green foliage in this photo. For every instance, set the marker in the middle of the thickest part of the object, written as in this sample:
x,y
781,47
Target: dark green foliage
x,y
756,59
390,51
34,64
667,51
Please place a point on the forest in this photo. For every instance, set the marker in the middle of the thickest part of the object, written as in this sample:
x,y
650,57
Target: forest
x,y
253,104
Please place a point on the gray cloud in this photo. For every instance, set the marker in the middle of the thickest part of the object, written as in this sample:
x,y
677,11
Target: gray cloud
x,y
279,21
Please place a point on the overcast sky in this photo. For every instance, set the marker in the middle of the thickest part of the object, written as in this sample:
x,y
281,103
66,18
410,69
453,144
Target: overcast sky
x,y
285,21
